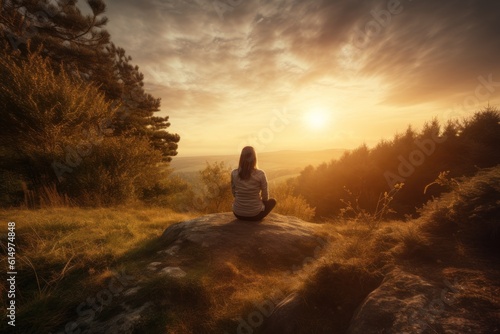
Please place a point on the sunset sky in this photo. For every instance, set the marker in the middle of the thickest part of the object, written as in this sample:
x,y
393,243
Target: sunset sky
x,y
290,74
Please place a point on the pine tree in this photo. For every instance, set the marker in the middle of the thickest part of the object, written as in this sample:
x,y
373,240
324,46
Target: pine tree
x,y
82,46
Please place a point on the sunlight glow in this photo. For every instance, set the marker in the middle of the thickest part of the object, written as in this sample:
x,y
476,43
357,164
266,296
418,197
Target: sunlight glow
x,y
317,118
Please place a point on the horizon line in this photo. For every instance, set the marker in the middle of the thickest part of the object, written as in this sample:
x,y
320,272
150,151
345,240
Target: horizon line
x,y
259,153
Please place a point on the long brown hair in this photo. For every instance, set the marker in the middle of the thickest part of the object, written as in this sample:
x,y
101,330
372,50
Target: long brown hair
x,y
248,162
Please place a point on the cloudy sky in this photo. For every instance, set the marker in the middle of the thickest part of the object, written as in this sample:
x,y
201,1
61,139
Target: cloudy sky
x,y
290,74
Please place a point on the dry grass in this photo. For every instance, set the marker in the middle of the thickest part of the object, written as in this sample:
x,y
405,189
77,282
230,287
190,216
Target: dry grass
x,y
65,254
470,210
69,249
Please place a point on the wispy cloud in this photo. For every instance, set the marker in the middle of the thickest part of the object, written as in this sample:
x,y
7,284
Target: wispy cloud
x,y
270,54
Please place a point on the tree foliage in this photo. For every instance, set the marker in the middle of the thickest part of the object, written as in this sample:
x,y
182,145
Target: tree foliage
x,y
55,130
412,158
80,44
216,181
76,120
290,204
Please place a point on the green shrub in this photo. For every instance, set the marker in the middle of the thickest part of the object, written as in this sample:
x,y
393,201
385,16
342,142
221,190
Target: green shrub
x,y
116,172
171,191
290,204
216,181
56,138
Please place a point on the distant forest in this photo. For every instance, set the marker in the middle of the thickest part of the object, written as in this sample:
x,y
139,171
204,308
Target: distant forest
x,y
413,158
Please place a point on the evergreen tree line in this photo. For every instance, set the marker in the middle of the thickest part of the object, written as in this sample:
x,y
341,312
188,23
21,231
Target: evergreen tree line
x,y
413,158
76,124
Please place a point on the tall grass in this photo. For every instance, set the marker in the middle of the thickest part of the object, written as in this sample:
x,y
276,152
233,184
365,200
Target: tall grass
x,y
361,215
470,210
66,254
63,255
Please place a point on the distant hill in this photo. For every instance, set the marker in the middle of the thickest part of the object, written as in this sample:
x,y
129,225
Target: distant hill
x,y
278,165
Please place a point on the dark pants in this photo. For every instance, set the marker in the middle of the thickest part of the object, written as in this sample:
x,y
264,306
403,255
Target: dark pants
x,y
269,205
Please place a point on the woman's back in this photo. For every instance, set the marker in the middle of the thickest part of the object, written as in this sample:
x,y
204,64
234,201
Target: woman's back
x,y
249,193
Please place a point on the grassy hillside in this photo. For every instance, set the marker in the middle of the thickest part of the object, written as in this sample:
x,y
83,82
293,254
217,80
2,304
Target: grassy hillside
x,y
66,256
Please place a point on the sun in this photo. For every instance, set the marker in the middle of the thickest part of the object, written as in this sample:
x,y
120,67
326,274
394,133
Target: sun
x,y
317,118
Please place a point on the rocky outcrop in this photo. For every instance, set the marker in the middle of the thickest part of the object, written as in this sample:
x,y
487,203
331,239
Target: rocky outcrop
x,y
393,306
211,241
276,242
430,297
460,301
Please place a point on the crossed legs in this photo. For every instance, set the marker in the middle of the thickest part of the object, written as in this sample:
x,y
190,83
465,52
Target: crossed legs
x,y
268,207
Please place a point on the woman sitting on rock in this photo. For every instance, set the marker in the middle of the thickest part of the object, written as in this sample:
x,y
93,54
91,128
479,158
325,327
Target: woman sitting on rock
x,y
249,187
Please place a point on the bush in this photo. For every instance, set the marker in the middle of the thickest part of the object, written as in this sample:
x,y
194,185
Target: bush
x,y
217,196
171,191
471,209
11,188
290,204
116,172
55,134
476,209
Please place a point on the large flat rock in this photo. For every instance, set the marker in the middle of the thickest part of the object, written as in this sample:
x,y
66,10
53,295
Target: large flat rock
x,y
276,241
